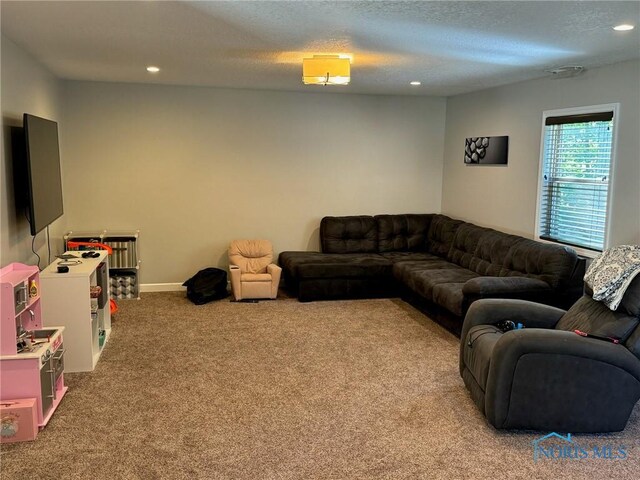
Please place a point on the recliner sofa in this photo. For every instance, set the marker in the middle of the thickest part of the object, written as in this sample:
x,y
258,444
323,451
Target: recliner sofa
x,y
445,262
545,376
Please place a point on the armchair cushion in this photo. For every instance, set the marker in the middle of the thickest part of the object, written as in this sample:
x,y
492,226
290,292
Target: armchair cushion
x,y
595,318
252,256
255,277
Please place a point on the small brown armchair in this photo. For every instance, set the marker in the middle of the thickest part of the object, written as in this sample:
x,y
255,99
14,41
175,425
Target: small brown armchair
x,y
253,273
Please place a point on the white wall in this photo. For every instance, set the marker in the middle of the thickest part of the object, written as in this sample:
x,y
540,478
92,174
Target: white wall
x,y
194,168
26,87
505,197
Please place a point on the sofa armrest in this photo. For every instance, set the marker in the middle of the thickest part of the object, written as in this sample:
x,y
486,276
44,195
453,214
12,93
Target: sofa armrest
x,y
500,286
532,352
490,311
275,271
236,287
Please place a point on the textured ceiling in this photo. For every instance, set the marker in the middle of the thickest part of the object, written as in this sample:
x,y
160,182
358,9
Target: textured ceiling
x,y
451,47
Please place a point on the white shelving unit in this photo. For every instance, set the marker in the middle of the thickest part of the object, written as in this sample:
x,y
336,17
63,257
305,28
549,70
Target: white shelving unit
x,y
124,263
66,300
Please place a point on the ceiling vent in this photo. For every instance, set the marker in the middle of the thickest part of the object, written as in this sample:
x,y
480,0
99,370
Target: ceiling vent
x,y
565,71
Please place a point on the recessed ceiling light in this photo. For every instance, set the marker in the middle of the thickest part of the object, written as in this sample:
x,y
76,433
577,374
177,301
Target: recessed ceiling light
x,y
415,83
625,27
152,69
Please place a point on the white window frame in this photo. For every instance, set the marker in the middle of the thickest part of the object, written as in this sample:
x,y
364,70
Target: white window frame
x,y
563,112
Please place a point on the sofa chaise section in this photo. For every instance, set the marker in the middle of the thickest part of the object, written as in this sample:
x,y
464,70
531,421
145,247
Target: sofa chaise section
x,y
357,256
326,276
348,267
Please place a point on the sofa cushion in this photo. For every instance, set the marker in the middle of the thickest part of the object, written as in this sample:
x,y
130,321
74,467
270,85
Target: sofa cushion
x,y
465,243
450,296
428,279
357,268
290,261
403,233
553,264
491,253
305,265
405,271
421,278
440,234
410,256
505,287
442,286
354,234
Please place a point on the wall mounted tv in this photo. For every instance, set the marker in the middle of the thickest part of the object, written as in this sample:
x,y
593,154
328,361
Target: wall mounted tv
x,y
43,172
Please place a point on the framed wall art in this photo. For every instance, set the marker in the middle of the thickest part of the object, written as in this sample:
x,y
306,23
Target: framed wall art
x,y
486,150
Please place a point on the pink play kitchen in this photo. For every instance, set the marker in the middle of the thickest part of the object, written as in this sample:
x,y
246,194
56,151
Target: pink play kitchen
x,y
31,357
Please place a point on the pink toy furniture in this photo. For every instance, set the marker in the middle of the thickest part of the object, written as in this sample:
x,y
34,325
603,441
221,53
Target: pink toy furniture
x,y
31,358
18,420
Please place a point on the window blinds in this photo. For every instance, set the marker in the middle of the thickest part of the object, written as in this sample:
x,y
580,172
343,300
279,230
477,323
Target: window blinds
x,y
575,183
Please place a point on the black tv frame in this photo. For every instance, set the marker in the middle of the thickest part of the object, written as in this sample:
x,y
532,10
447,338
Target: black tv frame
x,y
45,200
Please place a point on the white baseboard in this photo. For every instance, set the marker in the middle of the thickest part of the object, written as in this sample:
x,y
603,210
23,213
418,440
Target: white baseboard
x,y
161,287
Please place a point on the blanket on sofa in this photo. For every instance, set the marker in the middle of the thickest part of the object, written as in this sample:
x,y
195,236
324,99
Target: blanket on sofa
x,y
611,272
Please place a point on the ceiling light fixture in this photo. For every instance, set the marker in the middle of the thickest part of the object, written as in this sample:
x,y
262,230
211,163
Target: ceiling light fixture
x,y
152,69
625,27
326,70
415,83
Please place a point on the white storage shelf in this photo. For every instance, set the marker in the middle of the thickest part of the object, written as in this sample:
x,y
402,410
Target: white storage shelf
x,y
66,300
124,263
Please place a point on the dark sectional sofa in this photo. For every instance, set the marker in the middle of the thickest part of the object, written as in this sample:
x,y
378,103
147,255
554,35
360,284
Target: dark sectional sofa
x,y
438,262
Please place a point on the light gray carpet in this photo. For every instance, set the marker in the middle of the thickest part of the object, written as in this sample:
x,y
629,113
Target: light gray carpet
x,y
284,390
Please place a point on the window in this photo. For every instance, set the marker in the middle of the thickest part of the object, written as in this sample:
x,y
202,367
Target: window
x,y
575,175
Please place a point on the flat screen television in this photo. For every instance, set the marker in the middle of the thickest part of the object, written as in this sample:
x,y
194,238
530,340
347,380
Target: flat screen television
x,y
44,182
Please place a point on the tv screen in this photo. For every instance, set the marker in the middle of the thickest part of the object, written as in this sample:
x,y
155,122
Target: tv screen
x,y
43,171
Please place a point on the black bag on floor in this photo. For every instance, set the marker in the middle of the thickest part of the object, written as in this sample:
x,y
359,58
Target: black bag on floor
x,y
207,285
